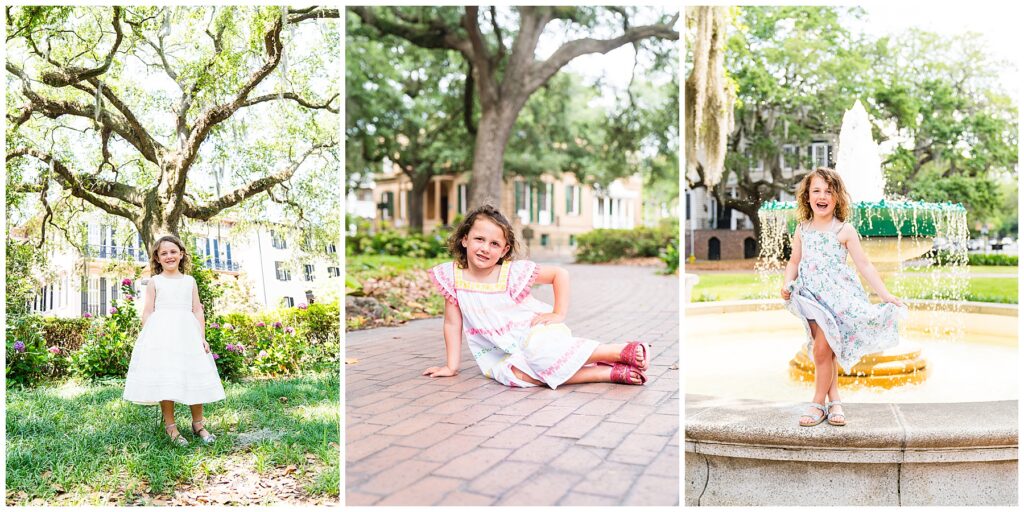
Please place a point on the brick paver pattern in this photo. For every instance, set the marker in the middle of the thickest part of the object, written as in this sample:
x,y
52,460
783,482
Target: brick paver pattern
x,y
467,440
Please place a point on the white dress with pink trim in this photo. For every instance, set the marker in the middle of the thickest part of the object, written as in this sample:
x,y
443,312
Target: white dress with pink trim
x,y
496,325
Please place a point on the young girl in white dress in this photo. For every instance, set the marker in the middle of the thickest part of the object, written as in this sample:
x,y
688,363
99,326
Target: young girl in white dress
x,y
823,291
516,339
171,361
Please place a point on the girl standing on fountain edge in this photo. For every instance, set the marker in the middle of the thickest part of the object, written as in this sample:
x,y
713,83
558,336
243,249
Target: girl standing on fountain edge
x,y
823,291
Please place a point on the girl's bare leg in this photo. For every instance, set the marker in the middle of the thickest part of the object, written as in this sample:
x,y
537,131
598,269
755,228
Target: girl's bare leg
x,y
167,408
197,412
824,369
584,375
606,353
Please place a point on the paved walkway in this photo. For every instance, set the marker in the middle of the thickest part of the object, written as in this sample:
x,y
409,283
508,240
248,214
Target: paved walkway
x,y
467,440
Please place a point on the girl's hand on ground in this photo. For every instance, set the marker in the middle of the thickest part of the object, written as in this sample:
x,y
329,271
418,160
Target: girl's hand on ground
x,y
892,299
206,347
440,371
547,318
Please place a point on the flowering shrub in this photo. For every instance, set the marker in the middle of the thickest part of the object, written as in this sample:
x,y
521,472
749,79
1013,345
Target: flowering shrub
x,y
108,346
279,342
26,354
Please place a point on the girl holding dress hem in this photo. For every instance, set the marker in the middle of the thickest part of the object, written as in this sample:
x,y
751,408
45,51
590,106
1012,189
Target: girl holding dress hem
x,y
823,292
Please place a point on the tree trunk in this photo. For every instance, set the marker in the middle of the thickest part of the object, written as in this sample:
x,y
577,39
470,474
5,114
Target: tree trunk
x,y
493,132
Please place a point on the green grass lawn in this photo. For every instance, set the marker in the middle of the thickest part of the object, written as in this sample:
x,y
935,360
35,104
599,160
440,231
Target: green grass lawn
x,y
71,443
746,285
367,266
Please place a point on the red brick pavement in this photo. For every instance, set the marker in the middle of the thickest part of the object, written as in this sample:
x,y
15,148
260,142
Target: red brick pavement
x,y
467,440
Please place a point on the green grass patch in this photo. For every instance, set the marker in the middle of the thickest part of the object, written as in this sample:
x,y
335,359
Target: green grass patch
x,y
78,440
376,266
746,285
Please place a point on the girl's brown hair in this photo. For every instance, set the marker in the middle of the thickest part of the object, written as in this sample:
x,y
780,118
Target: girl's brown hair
x,y
184,264
835,184
490,213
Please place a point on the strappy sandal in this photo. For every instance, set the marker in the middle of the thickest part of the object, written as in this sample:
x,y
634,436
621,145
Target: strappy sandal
x,y
621,374
837,422
628,355
175,436
817,419
208,438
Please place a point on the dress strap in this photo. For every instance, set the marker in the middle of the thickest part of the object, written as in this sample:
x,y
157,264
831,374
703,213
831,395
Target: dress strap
x,y
840,228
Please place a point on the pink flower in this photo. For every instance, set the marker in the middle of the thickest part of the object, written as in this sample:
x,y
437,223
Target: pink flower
x,y
277,325
303,306
113,310
289,330
129,297
54,350
215,325
215,356
126,282
229,327
86,315
229,347
260,324
262,354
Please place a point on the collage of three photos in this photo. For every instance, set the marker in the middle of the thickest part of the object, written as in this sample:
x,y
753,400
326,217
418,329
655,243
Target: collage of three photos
x,y
511,255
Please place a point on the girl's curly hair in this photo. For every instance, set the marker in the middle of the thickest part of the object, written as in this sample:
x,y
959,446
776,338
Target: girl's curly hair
x,y
491,213
835,184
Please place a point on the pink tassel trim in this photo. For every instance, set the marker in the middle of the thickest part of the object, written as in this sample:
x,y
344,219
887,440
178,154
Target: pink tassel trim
x,y
448,296
527,288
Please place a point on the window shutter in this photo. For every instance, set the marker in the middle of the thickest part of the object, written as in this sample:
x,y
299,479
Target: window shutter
x,y
103,296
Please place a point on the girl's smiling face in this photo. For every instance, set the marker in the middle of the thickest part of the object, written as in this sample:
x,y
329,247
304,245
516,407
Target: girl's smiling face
x,y
823,204
485,244
169,255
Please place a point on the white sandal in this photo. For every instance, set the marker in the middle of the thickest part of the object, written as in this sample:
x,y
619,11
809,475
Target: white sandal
x,y
831,415
817,419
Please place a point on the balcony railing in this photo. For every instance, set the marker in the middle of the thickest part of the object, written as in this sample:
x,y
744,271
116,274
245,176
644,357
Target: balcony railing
x,y
113,252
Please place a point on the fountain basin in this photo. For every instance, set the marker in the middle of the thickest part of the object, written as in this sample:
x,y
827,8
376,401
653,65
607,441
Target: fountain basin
x,y
952,440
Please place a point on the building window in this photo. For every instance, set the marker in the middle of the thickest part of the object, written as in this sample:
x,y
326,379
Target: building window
x,y
572,200
387,205
546,203
283,274
331,248
522,201
820,153
755,164
544,239
310,299
307,272
277,240
289,302
333,271
572,240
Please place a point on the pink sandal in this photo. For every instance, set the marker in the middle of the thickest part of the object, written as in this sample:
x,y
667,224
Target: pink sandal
x,y
620,374
628,355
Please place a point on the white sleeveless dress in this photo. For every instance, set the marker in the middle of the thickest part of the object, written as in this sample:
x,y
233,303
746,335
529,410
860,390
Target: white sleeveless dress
x,y
168,361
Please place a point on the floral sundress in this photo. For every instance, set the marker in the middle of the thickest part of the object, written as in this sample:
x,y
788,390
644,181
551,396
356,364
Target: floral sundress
x,y
828,292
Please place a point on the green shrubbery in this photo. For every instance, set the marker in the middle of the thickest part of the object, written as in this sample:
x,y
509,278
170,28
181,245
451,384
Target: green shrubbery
x,y
999,260
396,243
603,245
279,342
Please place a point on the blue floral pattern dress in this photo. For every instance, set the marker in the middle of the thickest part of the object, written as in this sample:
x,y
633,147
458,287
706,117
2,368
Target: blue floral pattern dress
x,y
828,292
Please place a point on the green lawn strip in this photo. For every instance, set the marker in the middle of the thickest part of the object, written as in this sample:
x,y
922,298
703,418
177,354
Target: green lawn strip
x,y
973,270
369,265
409,293
91,440
739,286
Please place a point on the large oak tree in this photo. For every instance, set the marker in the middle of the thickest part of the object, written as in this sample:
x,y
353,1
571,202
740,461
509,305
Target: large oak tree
x,y
145,113
504,66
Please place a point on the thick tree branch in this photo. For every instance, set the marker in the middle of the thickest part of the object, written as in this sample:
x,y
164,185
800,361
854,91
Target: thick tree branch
x,y
218,113
297,15
426,35
127,128
483,62
208,210
542,71
67,75
96,191
294,97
